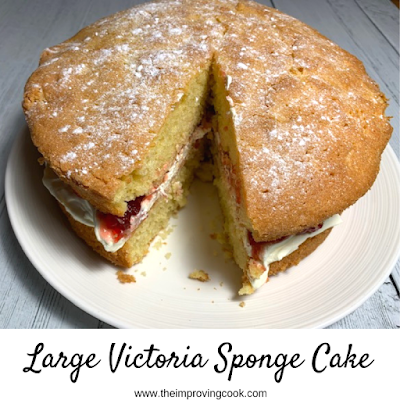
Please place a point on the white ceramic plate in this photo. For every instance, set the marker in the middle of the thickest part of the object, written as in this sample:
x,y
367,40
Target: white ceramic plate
x,y
337,278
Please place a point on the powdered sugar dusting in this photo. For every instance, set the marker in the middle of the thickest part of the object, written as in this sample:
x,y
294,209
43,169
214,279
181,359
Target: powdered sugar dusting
x,y
69,156
298,109
125,73
294,115
64,128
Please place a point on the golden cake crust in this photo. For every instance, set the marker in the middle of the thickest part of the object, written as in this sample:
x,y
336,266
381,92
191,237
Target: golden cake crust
x,y
96,102
308,121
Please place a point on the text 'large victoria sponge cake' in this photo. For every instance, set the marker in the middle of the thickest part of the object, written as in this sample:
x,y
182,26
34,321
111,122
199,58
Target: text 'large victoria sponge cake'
x,y
123,112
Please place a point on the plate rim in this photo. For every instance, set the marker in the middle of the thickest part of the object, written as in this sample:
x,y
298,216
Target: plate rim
x,y
114,321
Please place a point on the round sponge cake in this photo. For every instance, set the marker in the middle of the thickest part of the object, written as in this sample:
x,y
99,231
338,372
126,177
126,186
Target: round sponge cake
x,y
302,124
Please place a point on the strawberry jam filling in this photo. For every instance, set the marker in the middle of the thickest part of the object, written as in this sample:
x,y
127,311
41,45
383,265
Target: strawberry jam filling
x,y
118,227
257,248
311,229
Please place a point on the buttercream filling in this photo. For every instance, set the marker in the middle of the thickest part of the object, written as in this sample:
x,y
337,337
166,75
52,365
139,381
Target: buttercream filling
x,y
270,252
114,235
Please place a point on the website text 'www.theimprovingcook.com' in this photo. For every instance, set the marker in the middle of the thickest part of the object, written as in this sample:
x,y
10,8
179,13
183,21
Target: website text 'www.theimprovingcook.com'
x,y
190,394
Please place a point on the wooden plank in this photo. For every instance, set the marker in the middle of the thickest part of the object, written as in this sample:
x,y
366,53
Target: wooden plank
x,y
380,310
269,3
385,16
335,19
396,277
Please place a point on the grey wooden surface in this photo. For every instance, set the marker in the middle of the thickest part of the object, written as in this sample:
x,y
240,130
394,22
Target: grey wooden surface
x,y
367,28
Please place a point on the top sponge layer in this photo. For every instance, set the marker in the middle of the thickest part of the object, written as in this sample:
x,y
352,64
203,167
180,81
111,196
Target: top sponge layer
x,y
304,123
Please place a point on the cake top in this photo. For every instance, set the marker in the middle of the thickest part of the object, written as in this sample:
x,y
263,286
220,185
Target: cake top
x,y
97,100
308,121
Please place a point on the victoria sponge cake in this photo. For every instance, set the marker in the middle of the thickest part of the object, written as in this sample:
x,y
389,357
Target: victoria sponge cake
x,y
124,111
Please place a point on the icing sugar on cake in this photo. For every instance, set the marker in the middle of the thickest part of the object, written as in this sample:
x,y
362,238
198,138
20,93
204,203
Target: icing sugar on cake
x,y
276,64
157,53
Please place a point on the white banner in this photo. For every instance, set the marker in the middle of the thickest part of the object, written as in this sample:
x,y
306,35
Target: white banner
x,y
319,364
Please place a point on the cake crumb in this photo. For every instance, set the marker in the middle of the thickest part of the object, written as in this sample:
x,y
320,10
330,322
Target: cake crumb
x,y
168,256
221,284
165,232
198,289
212,301
222,239
158,244
125,278
164,269
215,288
228,255
199,275
242,304
143,273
